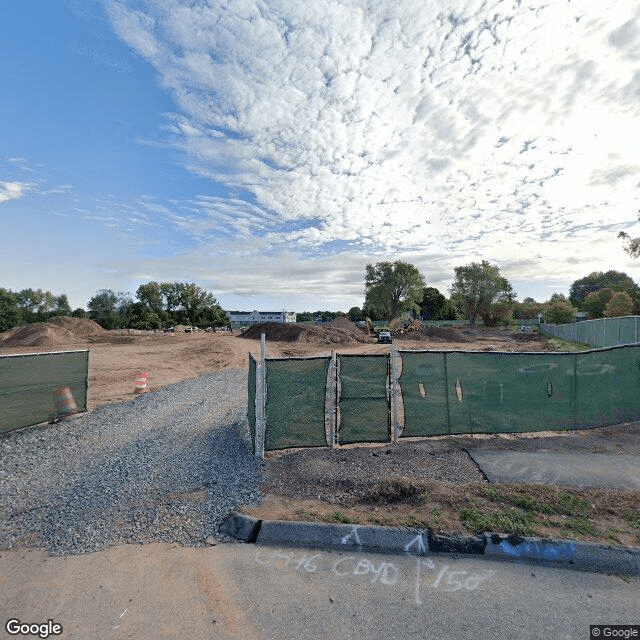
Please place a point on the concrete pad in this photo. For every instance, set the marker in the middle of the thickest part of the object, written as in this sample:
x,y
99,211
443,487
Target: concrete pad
x,y
574,470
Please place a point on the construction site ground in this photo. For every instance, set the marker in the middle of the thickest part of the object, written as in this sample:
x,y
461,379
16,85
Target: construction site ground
x,y
431,483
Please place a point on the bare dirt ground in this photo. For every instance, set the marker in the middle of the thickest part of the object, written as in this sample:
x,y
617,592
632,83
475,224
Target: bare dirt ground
x,y
424,482
115,357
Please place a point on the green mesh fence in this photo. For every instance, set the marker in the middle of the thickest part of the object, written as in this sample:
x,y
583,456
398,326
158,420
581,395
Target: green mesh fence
x,y
477,392
603,332
363,400
295,407
38,387
251,408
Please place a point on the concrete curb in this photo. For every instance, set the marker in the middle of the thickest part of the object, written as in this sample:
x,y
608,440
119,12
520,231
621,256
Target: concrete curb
x,y
568,554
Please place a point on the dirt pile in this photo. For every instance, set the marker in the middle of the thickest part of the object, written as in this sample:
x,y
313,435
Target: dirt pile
x,y
306,333
81,327
41,334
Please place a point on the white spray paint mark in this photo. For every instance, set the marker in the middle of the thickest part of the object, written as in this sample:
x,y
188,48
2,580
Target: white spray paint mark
x,y
419,540
354,534
125,611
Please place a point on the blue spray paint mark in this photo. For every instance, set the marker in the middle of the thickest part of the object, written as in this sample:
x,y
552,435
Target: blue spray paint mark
x,y
540,550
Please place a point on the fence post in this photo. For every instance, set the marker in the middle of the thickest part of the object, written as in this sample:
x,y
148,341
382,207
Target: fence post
x,y
446,392
331,398
395,424
575,391
261,398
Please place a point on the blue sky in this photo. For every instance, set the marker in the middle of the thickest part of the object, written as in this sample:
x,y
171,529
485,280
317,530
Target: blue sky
x,y
269,150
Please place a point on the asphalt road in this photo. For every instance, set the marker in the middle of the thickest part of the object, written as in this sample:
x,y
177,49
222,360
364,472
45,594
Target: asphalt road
x,y
579,470
239,591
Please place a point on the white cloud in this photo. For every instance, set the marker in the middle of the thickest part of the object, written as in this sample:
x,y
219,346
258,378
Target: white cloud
x,y
464,129
13,190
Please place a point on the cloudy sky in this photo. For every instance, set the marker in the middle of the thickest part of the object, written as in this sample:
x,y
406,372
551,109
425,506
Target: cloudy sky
x,y
269,149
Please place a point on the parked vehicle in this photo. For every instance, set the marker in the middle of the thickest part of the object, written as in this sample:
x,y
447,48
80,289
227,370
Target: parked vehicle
x,y
384,336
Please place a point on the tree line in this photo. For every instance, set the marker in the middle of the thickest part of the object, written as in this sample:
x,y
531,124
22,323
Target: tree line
x,y
480,292
157,305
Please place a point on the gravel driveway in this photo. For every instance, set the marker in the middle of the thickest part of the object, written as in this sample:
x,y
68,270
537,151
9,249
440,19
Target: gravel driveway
x,y
167,467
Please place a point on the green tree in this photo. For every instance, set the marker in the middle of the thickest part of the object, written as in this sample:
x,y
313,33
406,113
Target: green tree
x,y
151,295
620,304
109,309
433,304
480,287
11,314
62,306
79,313
559,312
597,280
355,314
391,288
596,302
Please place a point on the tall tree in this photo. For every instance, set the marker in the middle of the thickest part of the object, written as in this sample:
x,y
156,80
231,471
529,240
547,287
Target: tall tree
x,y
433,304
392,287
559,312
109,309
480,286
151,295
614,280
620,304
596,302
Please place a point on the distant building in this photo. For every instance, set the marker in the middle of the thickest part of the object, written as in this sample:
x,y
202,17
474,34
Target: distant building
x,y
254,317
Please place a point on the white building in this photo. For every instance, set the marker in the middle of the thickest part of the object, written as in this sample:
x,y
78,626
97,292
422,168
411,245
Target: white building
x,y
254,317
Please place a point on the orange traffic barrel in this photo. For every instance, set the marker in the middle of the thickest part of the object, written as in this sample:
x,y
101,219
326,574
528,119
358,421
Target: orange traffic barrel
x,y
64,401
141,382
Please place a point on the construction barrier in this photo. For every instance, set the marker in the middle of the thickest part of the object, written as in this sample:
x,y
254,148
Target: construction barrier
x,y
603,332
349,398
37,387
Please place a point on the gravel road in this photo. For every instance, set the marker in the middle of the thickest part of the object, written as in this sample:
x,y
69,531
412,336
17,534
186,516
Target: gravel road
x,y
166,467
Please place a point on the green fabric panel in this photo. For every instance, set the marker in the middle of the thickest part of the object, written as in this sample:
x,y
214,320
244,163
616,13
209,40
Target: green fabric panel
x,y
251,406
363,403
608,386
423,386
28,383
296,403
598,331
627,330
504,393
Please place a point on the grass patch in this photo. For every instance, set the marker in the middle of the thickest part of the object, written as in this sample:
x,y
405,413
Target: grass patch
x,y
580,525
341,517
509,521
568,345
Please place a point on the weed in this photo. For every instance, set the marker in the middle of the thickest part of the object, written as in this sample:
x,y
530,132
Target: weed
x,y
410,521
511,521
581,525
633,519
423,497
522,501
572,505
341,518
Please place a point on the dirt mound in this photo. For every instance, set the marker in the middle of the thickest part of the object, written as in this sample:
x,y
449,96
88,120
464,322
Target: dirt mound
x,y
82,327
42,334
305,333
340,322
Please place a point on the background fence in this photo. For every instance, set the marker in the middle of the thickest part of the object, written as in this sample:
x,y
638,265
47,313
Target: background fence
x,y
36,387
347,398
603,332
